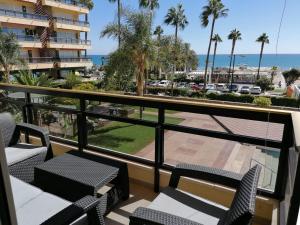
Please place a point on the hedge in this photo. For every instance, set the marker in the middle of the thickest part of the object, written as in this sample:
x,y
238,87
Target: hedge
x,y
276,101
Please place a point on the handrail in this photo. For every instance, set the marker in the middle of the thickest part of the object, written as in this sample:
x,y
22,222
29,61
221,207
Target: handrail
x,y
73,59
39,60
19,14
71,2
69,41
72,22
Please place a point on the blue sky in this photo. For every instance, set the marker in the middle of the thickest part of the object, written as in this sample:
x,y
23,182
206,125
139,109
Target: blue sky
x,y
251,17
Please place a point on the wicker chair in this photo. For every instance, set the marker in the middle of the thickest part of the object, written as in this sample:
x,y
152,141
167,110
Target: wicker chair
x,y
175,207
21,157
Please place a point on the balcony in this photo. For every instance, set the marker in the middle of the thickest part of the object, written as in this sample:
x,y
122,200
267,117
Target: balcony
x,y
213,134
68,43
71,5
39,63
17,17
75,62
29,41
68,24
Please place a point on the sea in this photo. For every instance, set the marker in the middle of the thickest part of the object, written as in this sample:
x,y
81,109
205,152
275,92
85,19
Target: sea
x,y
283,61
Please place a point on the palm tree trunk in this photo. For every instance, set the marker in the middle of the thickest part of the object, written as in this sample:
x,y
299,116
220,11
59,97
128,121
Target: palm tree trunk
x,y
208,52
214,58
6,73
119,22
260,58
175,60
231,57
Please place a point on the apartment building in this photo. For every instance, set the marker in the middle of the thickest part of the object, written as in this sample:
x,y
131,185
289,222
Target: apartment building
x,y
53,34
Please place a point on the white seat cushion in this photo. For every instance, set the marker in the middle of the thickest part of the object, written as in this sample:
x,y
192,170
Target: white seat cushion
x,y
173,202
16,155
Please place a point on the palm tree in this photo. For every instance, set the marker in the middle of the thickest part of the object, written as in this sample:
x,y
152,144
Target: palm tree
x,y
25,77
136,36
273,73
9,54
234,36
217,39
263,39
215,9
119,18
176,18
158,32
149,4
88,3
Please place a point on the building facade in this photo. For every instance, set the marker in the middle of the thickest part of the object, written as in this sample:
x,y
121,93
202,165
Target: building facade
x,y
53,34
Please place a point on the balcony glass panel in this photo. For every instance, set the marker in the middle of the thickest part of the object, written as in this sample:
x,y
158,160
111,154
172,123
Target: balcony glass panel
x,y
71,2
72,22
19,14
63,40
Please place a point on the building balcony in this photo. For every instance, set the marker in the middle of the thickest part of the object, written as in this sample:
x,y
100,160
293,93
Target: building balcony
x,y
68,24
70,5
68,43
31,1
39,63
29,41
17,17
223,136
76,62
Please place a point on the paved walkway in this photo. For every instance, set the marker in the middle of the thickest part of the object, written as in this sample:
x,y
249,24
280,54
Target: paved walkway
x,y
212,152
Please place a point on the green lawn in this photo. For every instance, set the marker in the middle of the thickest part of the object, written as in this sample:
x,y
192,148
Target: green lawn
x,y
125,137
153,110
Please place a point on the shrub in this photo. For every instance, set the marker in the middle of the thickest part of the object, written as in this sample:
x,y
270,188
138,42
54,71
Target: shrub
x,y
286,102
85,87
231,98
262,101
264,83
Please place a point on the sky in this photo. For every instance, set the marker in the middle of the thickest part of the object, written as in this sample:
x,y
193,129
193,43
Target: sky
x,y
251,17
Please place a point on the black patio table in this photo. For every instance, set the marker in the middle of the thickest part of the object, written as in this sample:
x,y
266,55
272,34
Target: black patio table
x,y
78,174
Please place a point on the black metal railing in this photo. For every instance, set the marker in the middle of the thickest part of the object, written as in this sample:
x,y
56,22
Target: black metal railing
x,y
19,14
61,40
160,126
28,38
72,22
71,2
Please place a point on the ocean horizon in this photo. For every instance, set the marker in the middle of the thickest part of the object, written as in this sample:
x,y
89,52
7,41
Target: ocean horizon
x,y
284,61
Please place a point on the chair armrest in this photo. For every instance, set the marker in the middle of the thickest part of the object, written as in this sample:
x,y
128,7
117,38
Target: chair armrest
x,y
153,217
77,210
204,173
34,130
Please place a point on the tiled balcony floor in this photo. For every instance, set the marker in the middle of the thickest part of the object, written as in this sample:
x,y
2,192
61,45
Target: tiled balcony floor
x,y
141,195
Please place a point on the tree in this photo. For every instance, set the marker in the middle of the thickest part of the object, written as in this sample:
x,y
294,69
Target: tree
x,y
234,35
72,80
263,39
138,44
158,32
25,77
149,4
291,76
264,83
217,39
215,9
176,18
88,3
9,54
274,70
119,19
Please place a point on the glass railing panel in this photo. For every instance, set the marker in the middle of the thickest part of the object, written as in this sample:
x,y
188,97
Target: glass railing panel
x,y
12,13
72,22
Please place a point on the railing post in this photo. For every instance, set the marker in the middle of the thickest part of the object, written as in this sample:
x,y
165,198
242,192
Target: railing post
x,y
159,148
28,113
82,126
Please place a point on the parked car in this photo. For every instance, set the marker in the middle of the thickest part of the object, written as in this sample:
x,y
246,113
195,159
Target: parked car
x,y
255,90
245,90
153,83
164,83
210,87
233,87
222,87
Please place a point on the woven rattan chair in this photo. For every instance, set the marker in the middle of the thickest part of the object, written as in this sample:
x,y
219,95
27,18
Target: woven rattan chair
x,y
21,157
175,207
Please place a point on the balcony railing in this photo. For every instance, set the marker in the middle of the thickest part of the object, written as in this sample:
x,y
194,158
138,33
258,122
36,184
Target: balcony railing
x,y
69,41
74,59
28,38
287,144
18,14
39,60
72,22
71,2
